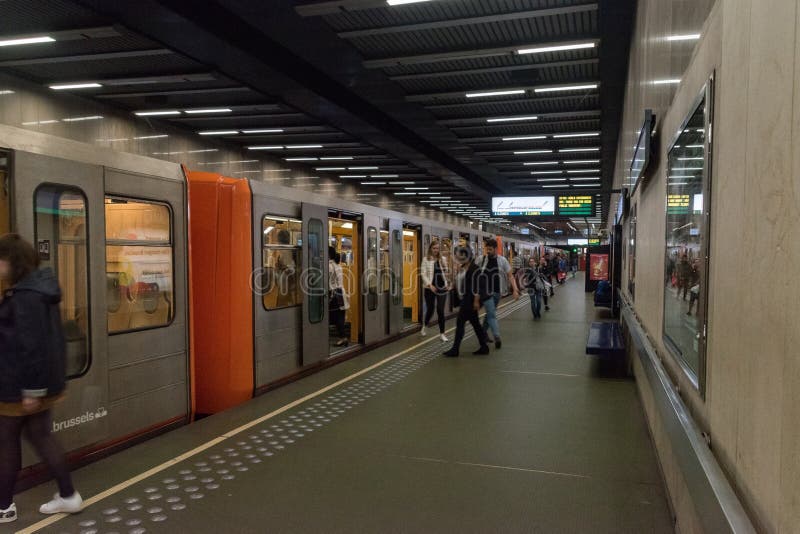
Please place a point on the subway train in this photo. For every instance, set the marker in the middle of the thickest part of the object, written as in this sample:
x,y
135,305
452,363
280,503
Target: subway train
x,y
187,293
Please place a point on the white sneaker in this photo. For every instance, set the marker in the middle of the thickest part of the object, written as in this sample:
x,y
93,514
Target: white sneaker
x,y
59,504
443,337
422,332
9,514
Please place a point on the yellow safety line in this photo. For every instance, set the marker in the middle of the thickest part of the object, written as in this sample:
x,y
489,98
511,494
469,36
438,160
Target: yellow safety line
x,y
216,441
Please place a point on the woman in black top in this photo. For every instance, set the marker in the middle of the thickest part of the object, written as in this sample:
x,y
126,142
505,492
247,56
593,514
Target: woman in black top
x,y
32,373
473,291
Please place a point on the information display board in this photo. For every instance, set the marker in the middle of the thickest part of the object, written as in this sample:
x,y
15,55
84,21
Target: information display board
x,y
554,205
677,204
523,206
576,205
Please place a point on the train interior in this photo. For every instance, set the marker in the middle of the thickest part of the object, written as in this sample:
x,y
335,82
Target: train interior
x,y
411,261
345,236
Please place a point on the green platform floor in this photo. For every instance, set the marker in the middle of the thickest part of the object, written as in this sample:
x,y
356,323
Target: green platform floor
x,y
533,438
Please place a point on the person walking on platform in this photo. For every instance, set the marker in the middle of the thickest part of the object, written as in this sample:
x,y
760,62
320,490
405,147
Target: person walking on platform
x,y
684,274
471,284
551,270
533,282
544,271
32,374
498,271
337,303
434,280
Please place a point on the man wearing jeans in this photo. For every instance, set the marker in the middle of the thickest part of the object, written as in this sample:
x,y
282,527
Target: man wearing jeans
x,y
498,271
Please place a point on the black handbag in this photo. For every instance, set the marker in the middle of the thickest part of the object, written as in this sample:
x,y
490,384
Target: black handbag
x,y
336,301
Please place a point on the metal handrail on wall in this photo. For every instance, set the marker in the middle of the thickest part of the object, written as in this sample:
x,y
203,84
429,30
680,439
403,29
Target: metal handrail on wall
x,y
715,502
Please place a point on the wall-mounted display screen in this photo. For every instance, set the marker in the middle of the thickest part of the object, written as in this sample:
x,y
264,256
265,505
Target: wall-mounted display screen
x,y
530,206
576,205
556,205
641,154
577,241
677,204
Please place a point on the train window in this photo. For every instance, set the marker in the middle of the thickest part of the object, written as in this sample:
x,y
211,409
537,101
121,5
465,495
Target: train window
x,y
281,262
372,268
317,272
139,265
62,244
397,290
687,240
384,276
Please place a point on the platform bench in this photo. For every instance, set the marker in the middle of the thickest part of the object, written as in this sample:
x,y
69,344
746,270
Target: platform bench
x,y
605,339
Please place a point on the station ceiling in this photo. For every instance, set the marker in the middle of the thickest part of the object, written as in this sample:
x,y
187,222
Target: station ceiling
x,y
469,98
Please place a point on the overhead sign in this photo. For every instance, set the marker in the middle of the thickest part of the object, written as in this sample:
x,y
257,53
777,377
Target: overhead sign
x,y
556,205
576,205
594,241
524,206
677,204
577,241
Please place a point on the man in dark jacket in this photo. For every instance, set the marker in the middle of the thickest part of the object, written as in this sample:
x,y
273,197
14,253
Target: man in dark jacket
x,y
473,291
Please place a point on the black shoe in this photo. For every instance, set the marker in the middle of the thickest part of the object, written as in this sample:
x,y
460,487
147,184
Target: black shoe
x,y
547,308
450,353
483,350
498,343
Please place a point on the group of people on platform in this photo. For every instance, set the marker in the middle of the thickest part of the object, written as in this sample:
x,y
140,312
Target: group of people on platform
x,y
480,283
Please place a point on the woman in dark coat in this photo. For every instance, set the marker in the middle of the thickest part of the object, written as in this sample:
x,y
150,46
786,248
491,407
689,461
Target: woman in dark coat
x,y
32,369
472,291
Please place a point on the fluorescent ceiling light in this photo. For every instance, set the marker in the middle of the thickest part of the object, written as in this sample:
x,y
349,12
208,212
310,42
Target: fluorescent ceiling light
x,y
332,158
547,172
403,183
524,138
589,149
78,119
353,176
27,40
540,163
277,170
416,188
366,194
266,147
300,159
265,130
520,152
685,37
567,136
293,147
384,176
511,119
362,168
88,85
219,132
556,186
581,162
329,169
691,159
403,2
586,185
551,179
6,92
565,88
202,150
582,178
157,113
556,48
405,194
244,160
207,110
373,183
496,93
677,168
667,81
695,146
160,136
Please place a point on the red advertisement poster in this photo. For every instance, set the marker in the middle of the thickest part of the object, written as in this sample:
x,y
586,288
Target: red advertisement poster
x,y
598,267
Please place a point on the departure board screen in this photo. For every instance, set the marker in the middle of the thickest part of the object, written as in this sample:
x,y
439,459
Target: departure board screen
x,y
576,205
677,204
523,206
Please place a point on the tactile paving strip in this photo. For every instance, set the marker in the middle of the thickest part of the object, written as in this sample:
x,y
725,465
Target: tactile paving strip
x,y
157,500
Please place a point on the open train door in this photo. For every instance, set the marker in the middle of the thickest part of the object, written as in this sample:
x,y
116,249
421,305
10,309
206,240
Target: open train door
x,y
396,273
315,283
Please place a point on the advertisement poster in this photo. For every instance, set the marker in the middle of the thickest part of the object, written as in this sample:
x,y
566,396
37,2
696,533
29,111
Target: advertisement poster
x,y
598,267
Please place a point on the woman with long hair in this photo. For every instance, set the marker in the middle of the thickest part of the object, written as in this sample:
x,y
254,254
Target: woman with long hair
x,y
32,373
337,303
434,280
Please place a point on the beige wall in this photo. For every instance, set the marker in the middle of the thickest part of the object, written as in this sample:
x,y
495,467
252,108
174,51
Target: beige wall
x,y
752,405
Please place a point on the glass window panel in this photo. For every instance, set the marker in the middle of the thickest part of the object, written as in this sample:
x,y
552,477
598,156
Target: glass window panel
x,y
687,235
281,262
62,244
317,272
397,291
384,270
372,268
139,265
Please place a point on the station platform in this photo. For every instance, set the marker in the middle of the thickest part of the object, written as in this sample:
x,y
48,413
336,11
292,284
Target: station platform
x,y
531,438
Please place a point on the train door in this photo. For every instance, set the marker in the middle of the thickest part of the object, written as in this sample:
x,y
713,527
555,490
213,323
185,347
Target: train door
x,y
5,205
395,276
411,280
375,309
385,277
315,278
345,238
59,207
